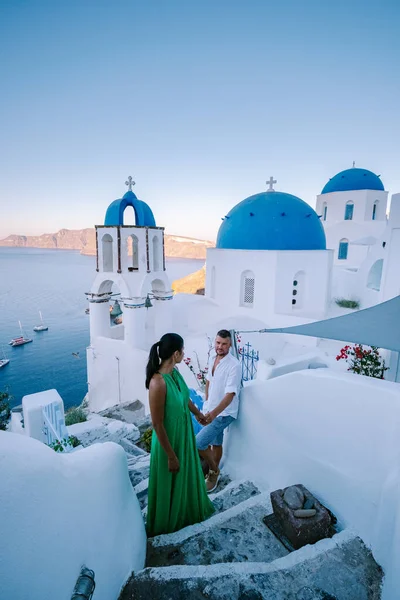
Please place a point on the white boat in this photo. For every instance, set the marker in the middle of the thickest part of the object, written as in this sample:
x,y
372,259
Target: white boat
x,y
20,340
42,326
4,361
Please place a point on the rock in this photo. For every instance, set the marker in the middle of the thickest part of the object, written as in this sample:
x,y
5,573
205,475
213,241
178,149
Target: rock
x,y
309,503
293,497
128,412
308,593
301,532
303,513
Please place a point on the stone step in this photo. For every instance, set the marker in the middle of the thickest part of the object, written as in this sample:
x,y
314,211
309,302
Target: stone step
x,y
139,468
237,534
340,568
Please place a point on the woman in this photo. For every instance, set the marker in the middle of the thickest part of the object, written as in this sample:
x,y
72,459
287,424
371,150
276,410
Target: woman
x,y
177,491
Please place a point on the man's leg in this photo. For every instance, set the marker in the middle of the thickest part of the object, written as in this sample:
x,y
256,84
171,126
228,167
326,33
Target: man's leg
x,y
217,452
208,456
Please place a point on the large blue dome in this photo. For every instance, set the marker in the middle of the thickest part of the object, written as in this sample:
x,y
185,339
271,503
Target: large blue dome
x,y
272,221
353,179
143,214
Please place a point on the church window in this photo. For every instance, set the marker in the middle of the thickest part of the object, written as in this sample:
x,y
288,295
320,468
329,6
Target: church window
x,y
343,249
298,289
132,247
247,289
348,213
374,209
324,211
107,248
156,254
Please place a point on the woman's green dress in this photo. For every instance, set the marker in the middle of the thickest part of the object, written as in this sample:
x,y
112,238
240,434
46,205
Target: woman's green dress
x,y
176,499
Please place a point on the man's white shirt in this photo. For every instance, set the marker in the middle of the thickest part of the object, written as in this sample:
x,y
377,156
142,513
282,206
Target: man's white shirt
x,y
226,380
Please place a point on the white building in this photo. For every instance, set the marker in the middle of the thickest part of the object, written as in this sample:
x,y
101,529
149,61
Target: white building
x,y
271,261
130,261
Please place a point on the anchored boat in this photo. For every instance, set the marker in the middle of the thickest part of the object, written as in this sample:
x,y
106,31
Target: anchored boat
x,y
42,326
20,340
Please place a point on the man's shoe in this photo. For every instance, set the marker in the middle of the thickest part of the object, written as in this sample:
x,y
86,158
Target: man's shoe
x,y
212,480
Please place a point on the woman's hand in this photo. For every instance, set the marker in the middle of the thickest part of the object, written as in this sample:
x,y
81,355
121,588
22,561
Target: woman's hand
x,y
173,464
200,418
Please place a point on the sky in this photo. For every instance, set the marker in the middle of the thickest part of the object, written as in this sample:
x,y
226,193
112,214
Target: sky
x,y
200,101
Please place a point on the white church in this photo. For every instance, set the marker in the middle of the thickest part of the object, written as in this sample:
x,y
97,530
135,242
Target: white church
x,y
277,263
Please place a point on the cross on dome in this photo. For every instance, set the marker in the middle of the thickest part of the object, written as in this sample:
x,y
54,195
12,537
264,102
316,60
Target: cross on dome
x,y
354,164
270,183
130,183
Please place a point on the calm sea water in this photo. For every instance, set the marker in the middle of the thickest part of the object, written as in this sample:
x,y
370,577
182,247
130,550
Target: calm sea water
x,y
54,282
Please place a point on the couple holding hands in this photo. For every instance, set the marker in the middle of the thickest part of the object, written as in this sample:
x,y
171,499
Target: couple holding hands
x,y
177,488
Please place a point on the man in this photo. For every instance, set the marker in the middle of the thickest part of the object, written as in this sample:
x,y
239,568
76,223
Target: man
x,y
221,405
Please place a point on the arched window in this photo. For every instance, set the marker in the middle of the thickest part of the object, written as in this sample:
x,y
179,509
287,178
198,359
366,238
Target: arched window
x,y
247,289
132,248
324,211
343,249
374,209
348,213
212,283
107,247
298,290
156,254
375,275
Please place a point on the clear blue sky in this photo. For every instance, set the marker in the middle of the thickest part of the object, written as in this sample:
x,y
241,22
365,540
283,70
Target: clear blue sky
x,y
200,101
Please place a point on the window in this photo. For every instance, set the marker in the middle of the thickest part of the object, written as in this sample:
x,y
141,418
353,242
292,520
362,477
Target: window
x,y
324,211
247,289
374,209
298,288
107,247
156,254
348,213
132,247
343,249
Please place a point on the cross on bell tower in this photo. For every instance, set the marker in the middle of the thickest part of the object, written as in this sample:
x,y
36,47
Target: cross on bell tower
x,y
270,182
130,183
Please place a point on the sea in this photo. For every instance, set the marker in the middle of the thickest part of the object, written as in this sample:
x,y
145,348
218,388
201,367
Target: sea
x,y
53,282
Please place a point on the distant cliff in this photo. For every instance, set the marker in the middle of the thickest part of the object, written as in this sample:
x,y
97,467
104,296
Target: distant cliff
x,y
84,240
194,283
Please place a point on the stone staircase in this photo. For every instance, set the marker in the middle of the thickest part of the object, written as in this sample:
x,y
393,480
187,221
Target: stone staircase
x,y
235,556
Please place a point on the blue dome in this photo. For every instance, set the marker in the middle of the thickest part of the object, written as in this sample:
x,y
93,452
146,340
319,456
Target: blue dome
x,y
272,221
143,214
353,179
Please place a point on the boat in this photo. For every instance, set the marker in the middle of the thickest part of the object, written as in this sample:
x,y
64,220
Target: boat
x,y
42,326
20,340
115,310
4,361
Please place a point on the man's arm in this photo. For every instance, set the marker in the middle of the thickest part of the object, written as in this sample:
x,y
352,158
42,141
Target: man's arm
x,y
226,400
206,390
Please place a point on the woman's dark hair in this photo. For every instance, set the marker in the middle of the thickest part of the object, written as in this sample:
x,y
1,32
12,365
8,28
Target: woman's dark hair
x,y
162,350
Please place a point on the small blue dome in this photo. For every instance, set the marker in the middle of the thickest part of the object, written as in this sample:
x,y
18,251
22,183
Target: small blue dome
x,y
143,214
353,179
272,221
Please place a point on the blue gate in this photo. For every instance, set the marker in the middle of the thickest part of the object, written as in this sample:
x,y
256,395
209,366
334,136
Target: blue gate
x,y
249,359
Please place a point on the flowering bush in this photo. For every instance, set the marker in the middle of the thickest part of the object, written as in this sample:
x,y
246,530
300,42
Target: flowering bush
x,y
363,361
198,371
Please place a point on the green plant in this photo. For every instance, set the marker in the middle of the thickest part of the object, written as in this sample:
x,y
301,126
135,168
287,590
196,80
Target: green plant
x,y
5,411
146,439
75,414
363,361
61,445
346,303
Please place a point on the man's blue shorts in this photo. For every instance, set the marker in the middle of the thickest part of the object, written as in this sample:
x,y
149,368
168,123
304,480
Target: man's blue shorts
x,y
213,434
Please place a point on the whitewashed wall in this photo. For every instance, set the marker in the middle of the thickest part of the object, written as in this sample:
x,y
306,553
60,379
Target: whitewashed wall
x,y
363,201
274,272
58,512
339,435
